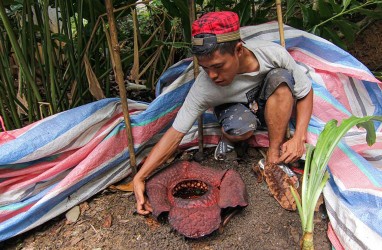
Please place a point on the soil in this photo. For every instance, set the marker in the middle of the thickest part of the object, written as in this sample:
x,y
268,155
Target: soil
x,y
108,221
368,46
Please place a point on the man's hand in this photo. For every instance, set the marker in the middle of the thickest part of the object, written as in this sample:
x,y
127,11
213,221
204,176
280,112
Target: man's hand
x,y
158,155
143,205
292,150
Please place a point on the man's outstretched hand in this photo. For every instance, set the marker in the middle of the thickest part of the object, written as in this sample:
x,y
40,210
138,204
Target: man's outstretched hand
x,y
143,205
292,150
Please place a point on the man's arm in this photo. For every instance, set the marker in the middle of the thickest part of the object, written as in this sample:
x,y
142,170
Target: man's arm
x,y
158,155
293,149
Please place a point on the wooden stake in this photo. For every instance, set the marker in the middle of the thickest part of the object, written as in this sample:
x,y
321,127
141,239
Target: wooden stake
x,y
117,67
280,22
282,41
191,7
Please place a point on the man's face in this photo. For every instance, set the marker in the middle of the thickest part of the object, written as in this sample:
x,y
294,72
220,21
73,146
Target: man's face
x,y
221,68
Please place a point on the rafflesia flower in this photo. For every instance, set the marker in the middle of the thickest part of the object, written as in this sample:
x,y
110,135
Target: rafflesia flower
x,y
194,196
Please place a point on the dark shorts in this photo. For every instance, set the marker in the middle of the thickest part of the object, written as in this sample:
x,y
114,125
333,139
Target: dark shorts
x,y
238,118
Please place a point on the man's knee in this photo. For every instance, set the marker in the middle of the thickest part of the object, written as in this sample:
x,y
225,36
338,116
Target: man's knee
x,y
282,91
278,81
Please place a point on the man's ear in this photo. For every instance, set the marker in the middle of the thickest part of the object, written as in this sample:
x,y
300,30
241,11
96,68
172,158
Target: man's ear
x,y
239,48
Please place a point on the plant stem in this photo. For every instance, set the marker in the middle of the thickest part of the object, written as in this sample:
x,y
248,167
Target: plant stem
x,y
343,12
19,55
307,241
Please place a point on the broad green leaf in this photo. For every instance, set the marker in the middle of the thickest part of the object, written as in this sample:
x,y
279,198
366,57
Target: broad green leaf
x,y
243,9
291,5
373,13
325,9
315,176
347,29
345,4
310,16
331,35
171,8
370,129
336,7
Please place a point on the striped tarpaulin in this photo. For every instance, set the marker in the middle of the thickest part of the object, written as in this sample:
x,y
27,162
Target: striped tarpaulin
x,y
51,165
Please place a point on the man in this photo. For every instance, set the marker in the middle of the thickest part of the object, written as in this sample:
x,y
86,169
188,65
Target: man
x,y
249,85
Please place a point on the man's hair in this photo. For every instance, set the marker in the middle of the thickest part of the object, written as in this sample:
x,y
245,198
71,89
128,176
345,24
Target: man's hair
x,y
206,51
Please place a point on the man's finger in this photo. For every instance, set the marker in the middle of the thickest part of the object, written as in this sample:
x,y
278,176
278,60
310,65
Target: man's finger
x,y
148,207
141,210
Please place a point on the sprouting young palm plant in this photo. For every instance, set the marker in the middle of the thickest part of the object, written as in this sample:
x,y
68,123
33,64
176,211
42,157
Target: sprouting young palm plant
x,y
315,172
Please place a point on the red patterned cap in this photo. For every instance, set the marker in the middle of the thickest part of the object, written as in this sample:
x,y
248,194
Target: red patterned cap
x,y
224,25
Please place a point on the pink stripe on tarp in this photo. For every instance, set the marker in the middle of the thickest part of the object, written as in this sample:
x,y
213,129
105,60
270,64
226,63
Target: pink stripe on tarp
x,y
70,161
5,185
350,175
335,87
325,111
34,168
260,139
333,238
95,159
362,147
142,134
10,213
331,67
13,134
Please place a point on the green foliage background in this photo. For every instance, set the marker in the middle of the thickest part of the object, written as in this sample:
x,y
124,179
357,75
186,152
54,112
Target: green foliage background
x,y
43,70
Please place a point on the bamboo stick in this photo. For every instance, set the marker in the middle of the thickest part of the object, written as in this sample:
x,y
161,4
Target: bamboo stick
x,y
191,7
119,78
282,41
280,22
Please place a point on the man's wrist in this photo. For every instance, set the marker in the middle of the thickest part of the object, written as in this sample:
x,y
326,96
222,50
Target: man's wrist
x,y
300,136
140,178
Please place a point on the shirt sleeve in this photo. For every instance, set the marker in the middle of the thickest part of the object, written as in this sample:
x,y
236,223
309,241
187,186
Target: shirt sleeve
x,y
193,106
302,83
280,57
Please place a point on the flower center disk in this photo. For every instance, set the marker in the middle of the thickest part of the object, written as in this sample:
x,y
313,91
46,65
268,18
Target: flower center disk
x,y
190,189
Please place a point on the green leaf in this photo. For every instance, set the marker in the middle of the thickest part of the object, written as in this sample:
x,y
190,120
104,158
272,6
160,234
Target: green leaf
x,y
325,9
370,129
345,4
373,13
60,37
243,9
310,16
291,5
348,29
331,35
336,7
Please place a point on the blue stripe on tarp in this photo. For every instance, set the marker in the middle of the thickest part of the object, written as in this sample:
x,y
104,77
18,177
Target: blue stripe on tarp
x,y
162,105
372,173
171,74
26,202
366,207
18,223
326,51
375,95
30,163
47,131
